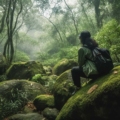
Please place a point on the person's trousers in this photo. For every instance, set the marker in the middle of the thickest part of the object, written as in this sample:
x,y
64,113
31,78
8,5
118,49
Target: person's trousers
x,y
77,72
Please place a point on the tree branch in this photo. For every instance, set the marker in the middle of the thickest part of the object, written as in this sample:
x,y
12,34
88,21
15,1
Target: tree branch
x,y
73,18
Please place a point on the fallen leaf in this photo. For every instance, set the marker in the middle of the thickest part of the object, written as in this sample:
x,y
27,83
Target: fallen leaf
x,y
115,72
94,87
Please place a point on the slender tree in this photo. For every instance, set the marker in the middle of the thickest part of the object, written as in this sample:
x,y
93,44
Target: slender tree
x,y
12,17
115,4
11,22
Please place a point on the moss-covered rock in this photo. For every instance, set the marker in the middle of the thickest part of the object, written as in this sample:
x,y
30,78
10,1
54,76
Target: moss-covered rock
x,y
63,65
62,89
99,100
50,113
48,70
14,94
43,101
24,70
31,89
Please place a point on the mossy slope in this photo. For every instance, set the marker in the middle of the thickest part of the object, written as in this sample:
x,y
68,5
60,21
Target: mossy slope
x,y
62,89
99,100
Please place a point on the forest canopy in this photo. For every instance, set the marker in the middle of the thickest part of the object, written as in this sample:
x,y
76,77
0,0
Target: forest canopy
x,y
47,30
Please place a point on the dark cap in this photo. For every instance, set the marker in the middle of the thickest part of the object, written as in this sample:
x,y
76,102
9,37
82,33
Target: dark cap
x,y
85,34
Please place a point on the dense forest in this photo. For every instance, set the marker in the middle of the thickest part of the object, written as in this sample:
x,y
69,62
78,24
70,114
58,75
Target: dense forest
x,y
39,42
48,30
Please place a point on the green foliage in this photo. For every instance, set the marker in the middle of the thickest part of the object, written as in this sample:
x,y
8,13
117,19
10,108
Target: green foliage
x,y
38,78
68,52
16,100
21,56
51,59
115,9
43,101
109,37
71,39
3,77
42,56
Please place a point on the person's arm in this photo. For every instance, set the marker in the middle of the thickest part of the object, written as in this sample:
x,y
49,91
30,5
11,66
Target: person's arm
x,y
81,57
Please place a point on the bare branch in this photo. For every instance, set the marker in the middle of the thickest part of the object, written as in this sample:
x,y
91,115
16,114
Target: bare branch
x,y
21,7
73,18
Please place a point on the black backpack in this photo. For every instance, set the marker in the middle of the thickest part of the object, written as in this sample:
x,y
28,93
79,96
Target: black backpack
x,y
103,61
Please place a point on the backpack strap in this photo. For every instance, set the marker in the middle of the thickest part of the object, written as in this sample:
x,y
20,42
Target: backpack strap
x,y
89,59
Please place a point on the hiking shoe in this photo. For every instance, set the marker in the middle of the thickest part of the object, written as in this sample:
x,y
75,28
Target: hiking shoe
x,y
76,89
92,80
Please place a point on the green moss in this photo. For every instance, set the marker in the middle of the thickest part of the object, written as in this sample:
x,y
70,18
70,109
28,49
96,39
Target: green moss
x,y
62,89
24,70
102,103
50,113
63,65
62,78
43,101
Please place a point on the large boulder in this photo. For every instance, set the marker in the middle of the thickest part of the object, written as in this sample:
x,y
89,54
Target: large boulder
x,y
24,70
31,89
14,94
63,65
43,101
98,100
62,89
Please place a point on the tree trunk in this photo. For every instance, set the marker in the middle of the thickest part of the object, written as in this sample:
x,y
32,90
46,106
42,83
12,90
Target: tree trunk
x,y
8,51
97,12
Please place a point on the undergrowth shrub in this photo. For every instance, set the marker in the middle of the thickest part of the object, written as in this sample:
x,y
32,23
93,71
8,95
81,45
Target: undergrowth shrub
x,y
69,52
109,37
12,102
21,56
38,78
3,77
